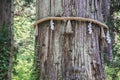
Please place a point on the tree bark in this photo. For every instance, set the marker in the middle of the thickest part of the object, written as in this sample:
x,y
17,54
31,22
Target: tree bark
x,y
75,56
6,39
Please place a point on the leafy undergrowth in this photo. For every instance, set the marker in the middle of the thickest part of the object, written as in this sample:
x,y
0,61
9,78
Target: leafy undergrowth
x,y
113,68
24,40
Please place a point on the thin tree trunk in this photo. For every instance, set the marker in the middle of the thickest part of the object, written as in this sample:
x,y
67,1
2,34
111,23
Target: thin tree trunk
x,y
6,39
62,56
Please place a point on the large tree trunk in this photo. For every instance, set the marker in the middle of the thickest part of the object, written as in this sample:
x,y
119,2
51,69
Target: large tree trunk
x,y
6,39
76,56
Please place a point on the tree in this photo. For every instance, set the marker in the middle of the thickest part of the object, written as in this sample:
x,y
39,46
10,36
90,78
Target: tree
x,y
6,39
75,56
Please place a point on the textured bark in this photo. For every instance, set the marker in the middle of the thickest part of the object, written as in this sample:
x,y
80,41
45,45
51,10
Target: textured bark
x,y
6,39
74,56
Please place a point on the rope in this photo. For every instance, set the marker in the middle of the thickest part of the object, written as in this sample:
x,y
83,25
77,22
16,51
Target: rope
x,y
71,18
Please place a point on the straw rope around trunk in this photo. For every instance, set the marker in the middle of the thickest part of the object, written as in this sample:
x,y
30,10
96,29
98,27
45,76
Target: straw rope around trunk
x,y
71,18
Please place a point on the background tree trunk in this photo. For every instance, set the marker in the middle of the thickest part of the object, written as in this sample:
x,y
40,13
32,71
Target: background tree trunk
x,y
77,56
6,39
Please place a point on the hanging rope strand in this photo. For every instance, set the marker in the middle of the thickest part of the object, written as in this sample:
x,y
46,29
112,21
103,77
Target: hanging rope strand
x,y
52,24
90,28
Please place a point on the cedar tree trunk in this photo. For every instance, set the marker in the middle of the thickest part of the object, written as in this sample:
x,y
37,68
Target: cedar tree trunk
x,y
76,56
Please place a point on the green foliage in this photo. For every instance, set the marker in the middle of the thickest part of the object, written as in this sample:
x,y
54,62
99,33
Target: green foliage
x,y
115,5
5,43
24,40
29,1
113,68
116,22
